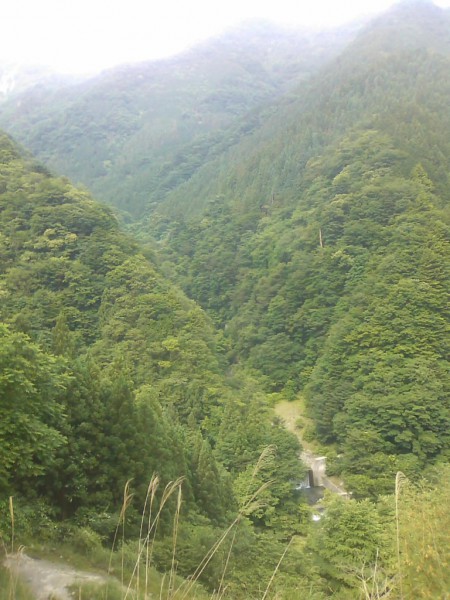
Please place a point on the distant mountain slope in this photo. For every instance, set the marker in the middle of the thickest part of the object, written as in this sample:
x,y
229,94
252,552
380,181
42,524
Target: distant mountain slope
x,y
137,131
15,79
385,76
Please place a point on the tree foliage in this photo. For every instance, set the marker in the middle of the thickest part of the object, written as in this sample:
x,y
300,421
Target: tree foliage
x,y
310,239
108,372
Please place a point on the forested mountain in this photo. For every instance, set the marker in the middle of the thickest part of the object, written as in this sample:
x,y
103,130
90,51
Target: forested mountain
x,y
108,373
312,231
320,244
135,132
300,199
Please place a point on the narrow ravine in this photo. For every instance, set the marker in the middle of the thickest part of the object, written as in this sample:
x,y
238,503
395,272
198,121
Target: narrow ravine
x,y
289,412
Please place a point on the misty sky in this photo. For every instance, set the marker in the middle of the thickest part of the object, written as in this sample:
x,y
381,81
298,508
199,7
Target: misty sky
x,y
88,35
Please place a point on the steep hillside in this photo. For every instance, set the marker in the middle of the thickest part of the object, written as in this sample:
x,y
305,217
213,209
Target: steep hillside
x,y
320,244
133,133
109,373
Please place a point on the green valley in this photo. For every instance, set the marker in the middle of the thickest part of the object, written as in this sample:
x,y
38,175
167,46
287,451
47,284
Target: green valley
x,y
275,230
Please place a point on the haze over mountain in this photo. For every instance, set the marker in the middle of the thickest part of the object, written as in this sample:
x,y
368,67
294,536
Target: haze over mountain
x,y
115,32
137,131
16,78
297,190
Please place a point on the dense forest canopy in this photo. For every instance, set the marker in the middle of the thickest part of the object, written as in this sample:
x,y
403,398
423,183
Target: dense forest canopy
x,y
109,373
286,200
320,245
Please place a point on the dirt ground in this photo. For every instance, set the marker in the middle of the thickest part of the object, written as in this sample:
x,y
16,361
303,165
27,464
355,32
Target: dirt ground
x,y
47,579
289,411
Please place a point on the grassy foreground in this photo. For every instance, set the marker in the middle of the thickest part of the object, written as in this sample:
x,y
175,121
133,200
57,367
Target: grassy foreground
x,y
11,588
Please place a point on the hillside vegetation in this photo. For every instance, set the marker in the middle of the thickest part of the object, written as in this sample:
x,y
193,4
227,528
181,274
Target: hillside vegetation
x,y
287,203
108,373
320,245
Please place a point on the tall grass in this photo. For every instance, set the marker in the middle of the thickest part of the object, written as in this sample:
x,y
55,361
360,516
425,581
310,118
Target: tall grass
x,y
173,587
419,557
136,581
11,515
400,480
11,588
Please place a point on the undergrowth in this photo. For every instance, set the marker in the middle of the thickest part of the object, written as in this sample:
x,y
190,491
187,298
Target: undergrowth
x,y
131,572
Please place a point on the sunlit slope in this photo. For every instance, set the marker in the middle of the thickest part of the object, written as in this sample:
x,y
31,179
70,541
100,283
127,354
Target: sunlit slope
x,y
320,243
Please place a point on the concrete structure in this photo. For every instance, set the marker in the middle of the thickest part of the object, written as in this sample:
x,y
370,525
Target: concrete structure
x,y
317,474
319,468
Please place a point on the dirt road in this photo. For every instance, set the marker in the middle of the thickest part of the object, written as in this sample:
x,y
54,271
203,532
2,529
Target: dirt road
x,y
47,579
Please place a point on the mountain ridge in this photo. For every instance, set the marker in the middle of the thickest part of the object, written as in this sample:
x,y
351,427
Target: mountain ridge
x,y
145,112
